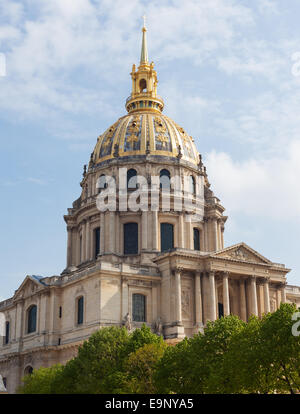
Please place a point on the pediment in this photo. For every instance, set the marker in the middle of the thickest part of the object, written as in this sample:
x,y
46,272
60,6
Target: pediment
x,y
29,286
242,252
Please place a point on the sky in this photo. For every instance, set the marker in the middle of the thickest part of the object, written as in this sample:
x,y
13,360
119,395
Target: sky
x,y
229,73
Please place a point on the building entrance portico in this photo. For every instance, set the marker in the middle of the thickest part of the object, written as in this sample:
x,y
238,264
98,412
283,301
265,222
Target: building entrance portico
x,y
204,286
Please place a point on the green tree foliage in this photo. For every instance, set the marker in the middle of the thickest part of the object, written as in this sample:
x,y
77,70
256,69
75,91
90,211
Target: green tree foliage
x,y
40,381
230,356
140,367
198,365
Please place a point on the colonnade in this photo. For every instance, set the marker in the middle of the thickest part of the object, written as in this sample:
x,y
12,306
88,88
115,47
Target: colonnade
x,y
207,285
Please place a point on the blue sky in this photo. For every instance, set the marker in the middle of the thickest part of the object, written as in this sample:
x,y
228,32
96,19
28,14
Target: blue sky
x,y
225,70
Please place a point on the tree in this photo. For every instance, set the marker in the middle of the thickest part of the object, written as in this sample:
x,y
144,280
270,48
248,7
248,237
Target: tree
x,y
98,366
40,381
140,367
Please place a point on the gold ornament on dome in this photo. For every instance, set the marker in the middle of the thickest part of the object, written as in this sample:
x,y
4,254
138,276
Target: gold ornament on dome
x,y
109,135
133,129
163,139
159,126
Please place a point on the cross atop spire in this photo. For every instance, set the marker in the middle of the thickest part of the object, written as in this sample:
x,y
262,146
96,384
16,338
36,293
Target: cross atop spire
x,y
144,51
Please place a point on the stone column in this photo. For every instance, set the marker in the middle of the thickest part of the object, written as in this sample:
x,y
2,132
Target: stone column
x,y
144,230
102,233
198,300
83,242
69,246
266,296
283,293
87,240
112,234
117,231
181,231
215,234
212,294
278,296
254,309
226,305
155,230
243,300
178,316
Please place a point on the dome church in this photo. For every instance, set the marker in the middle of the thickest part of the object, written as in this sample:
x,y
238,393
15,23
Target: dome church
x,y
145,245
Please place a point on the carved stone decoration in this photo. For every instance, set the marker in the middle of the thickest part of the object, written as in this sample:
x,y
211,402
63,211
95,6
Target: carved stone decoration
x,y
239,254
127,322
185,304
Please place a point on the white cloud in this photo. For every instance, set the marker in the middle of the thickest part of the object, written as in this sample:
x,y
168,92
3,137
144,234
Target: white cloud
x,y
258,186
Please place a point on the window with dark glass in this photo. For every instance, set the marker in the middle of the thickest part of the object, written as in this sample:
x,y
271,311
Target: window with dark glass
x,y
220,310
192,185
6,332
80,310
4,382
164,179
102,182
138,307
32,319
28,370
196,239
166,236
131,240
97,241
132,179
60,312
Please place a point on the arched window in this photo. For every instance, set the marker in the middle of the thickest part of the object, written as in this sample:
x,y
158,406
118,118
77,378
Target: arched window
x,y
32,311
166,236
192,185
131,179
138,307
7,326
131,238
80,302
143,85
196,239
28,370
164,179
102,182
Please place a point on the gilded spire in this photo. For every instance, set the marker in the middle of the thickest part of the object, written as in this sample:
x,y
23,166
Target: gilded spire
x,y
144,51
144,84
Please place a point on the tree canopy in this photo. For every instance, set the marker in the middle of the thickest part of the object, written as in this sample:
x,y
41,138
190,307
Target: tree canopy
x,y
230,356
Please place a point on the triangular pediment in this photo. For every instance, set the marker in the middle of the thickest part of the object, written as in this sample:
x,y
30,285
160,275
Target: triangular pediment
x,y
242,252
29,286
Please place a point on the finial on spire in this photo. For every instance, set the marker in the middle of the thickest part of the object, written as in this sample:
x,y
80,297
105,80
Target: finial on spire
x,y
144,51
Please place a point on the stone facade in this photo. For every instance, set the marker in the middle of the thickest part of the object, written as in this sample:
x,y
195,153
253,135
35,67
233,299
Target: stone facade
x,y
182,287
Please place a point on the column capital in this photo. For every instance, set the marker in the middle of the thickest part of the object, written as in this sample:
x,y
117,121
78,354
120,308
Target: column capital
x,y
225,274
177,269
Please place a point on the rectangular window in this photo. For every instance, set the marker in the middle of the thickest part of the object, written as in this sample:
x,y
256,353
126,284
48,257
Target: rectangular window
x,y
196,239
166,236
131,241
60,311
80,247
138,307
6,333
97,241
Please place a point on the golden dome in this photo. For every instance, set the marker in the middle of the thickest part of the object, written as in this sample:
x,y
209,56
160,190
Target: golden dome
x,y
145,133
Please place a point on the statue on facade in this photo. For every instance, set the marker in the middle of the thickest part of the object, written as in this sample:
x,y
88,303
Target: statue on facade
x,y
127,322
158,327
2,386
